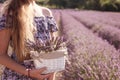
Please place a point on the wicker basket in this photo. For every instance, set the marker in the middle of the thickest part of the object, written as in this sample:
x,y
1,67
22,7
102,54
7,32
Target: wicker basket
x,y
53,61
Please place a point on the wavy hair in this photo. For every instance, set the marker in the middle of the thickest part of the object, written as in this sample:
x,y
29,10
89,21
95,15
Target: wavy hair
x,y
20,14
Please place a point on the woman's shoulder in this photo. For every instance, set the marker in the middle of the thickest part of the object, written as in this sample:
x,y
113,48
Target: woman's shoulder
x,y
44,11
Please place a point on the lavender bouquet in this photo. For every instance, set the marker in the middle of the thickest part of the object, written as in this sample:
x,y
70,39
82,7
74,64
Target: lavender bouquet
x,y
50,54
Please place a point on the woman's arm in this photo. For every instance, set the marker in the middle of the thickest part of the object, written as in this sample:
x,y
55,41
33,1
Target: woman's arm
x,y
8,62
4,58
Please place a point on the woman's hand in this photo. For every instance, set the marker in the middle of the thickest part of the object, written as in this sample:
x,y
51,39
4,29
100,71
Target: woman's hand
x,y
37,73
52,77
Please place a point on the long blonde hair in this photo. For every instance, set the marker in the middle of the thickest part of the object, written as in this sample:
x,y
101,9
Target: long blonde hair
x,y
20,14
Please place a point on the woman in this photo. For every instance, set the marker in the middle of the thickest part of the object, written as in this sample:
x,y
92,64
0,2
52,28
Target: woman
x,y
23,20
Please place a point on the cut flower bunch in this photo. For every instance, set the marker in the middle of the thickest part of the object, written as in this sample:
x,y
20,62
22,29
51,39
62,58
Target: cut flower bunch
x,y
50,54
46,46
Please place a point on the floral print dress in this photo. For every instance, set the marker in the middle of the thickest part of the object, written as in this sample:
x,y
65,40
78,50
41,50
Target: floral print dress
x,y
44,26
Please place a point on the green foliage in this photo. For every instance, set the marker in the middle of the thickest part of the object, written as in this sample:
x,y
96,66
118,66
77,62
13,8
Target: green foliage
x,y
58,3
92,4
1,1
75,3
110,5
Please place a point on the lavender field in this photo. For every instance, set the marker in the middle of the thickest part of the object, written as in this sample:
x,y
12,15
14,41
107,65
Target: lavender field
x,y
94,44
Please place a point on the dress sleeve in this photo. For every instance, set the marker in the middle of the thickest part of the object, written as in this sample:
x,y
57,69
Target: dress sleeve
x,y
2,22
52,26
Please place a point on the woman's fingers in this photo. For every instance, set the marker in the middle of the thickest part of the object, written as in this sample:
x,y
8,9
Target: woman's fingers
x,y
45,76
42,69
37,73
52,76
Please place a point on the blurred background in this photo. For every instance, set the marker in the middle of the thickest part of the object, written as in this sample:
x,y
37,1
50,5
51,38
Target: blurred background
x,y
104,5
92,29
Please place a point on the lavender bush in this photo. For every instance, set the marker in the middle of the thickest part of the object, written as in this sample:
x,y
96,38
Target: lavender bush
x,y
90,58
103,17
106,31
56,14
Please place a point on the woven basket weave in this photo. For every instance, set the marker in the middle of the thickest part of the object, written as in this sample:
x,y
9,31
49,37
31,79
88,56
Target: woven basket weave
x,y
53,61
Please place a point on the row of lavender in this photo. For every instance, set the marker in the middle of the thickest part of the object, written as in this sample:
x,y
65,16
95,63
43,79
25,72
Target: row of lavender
x,y
110,18
56,15
90,58
96,22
